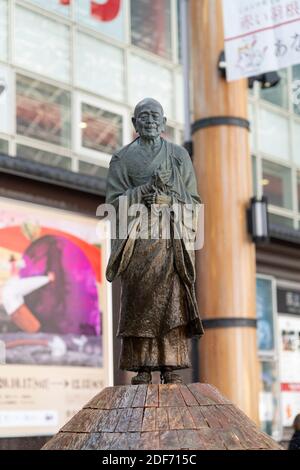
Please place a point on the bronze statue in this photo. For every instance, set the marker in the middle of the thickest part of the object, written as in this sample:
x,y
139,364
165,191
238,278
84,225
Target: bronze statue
x,y
158,304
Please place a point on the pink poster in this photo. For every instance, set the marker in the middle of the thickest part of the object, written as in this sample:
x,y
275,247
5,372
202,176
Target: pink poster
x,y
54,312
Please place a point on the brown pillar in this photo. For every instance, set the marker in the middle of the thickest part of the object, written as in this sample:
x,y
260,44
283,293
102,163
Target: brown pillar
x,y
226,264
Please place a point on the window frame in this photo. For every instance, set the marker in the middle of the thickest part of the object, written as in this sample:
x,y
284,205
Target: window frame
x,y
80,150
7,97
62,149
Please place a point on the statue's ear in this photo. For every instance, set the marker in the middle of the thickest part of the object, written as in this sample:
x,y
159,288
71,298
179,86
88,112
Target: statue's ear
x,y
133,120
164,124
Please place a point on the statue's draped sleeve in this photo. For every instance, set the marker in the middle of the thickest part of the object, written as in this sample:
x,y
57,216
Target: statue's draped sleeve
x,y
119,184
185,194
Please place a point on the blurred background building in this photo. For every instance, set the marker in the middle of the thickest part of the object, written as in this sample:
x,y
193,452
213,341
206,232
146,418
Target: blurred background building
x,y
70,74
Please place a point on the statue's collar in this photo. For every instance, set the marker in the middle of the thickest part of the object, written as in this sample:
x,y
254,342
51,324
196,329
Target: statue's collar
x,y
125,149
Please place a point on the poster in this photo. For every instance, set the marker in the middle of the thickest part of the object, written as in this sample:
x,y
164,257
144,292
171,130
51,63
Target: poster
x,y
260,36
55,311
265,315
289,327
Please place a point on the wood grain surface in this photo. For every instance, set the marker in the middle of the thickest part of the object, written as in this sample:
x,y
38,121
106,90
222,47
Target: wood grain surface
x,y
194,416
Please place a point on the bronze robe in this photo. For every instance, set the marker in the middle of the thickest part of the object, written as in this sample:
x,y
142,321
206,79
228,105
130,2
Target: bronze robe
x,y
158,304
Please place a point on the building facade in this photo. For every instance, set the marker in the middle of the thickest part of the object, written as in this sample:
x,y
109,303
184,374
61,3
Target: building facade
x,y
274,115
77,77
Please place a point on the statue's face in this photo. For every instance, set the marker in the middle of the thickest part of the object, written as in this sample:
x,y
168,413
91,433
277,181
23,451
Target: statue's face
x,y
149,121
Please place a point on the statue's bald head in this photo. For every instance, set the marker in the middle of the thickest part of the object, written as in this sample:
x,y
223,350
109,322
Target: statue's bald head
x,y
148,120
148,102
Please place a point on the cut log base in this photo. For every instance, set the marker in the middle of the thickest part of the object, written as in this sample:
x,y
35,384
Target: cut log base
x,y
160,417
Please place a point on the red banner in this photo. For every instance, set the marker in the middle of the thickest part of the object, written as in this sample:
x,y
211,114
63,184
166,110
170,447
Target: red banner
x,y
292,387
102,11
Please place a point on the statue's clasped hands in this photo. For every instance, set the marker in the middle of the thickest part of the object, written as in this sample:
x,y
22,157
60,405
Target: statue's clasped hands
x,y
161,178
154,198
159,182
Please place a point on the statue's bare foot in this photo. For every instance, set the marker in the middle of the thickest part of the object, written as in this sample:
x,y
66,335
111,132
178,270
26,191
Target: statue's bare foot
x,y
143,377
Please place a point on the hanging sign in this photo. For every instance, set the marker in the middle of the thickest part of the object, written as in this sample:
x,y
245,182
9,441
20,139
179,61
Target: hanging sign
x,y
260,36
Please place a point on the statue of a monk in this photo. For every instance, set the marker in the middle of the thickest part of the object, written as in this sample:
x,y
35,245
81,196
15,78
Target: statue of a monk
x,y
158,305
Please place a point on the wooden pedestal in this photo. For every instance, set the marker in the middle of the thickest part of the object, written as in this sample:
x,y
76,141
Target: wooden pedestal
x,y
163,417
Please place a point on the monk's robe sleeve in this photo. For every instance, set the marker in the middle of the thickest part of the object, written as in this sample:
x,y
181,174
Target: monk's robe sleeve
x,y
185,232
188,177
119,186
185,227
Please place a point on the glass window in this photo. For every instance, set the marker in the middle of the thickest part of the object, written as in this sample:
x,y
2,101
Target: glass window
x,y
169,134
298,187
3,146
296,89
273,134
5,99
101,130
99,67
179,51
296,150
143,82
151,26
181,137
278,94
277,184
43,111
179,98
44,157
93,170
106,17
279,220
252,126
3,29
42,45
254,174
57,6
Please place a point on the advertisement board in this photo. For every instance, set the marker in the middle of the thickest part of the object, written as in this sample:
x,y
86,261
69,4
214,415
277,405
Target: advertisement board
x,y
55,316
260,36
265,309
289,329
